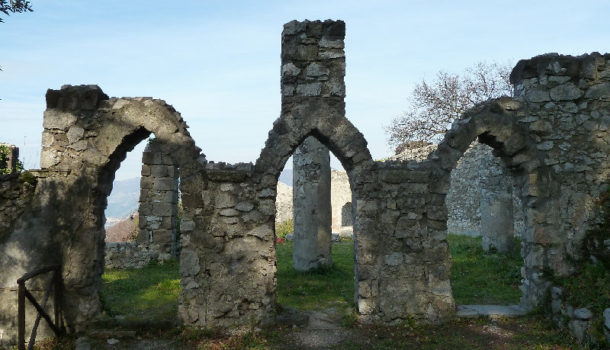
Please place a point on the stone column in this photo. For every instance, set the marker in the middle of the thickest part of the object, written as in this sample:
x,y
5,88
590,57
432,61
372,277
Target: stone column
x,y
311,205
158,199
496,207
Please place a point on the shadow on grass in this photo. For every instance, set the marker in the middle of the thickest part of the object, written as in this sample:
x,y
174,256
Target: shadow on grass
x,y
150,293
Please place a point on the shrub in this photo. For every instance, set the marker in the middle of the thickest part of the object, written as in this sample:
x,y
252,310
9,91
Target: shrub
x,y
284,228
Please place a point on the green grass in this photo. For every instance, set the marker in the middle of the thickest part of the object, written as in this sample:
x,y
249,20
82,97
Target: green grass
x,y
478,277
319,289
148,293
152,292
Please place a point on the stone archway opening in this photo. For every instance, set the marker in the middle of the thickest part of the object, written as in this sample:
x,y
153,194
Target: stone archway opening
x,y
141,279
484,227
315,259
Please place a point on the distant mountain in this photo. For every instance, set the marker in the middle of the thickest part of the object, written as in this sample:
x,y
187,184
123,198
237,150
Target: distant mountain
x,y
124,230
125,196
123,200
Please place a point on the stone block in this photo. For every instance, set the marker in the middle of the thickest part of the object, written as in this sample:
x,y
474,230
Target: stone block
x,y
394,259
537,96
75,133
309,89
189,263
578,328
159,171
187,225
162,236
598,91
583,314
565,92
244,206
164,184
145,170
163,209
58,120
151,158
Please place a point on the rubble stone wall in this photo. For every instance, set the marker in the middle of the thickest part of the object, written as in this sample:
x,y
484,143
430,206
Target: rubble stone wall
x,y
16,196
86,136
566,108
227,263
133,255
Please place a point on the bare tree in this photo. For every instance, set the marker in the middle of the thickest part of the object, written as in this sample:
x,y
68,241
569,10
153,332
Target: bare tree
x,y
435,105
14,6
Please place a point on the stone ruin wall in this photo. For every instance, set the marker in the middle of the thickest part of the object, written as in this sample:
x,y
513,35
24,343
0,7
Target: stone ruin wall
x,y
158,209
568,104
227,263
553,137
16,195
86,135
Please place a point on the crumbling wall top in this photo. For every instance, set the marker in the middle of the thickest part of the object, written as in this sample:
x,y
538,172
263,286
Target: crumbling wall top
x,y
585,66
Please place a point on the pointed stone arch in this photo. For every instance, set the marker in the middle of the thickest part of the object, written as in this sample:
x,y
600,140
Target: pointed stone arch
x,y
329,126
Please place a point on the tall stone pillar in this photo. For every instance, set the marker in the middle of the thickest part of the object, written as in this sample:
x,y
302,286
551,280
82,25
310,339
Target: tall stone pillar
x,y
497,220
311,205
158,199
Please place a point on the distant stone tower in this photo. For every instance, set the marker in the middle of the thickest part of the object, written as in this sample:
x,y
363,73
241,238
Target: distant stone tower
x,y
158,199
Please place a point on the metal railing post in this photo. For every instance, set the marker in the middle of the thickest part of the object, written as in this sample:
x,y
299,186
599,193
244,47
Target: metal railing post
x,y
21,316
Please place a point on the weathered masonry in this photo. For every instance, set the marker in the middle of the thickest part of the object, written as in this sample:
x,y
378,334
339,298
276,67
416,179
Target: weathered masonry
x,y
553,136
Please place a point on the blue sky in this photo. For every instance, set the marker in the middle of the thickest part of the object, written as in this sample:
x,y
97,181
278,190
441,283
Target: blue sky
x,y
218,62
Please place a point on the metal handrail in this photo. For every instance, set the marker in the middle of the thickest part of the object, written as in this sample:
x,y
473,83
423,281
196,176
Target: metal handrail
x,y
23,293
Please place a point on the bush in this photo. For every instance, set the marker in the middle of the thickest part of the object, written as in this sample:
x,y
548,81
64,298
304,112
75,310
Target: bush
x,y
284,228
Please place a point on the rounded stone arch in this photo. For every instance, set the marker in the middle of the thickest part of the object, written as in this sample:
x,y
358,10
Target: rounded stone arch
x,y
99,133
495,123
131,120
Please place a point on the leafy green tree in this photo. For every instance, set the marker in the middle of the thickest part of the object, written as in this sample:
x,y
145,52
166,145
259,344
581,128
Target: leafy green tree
x,y
14,6
435,105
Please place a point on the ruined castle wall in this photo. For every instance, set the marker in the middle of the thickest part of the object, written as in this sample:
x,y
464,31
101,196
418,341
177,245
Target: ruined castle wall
x,y
22,249
86,136
228,267
566,102
553,138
